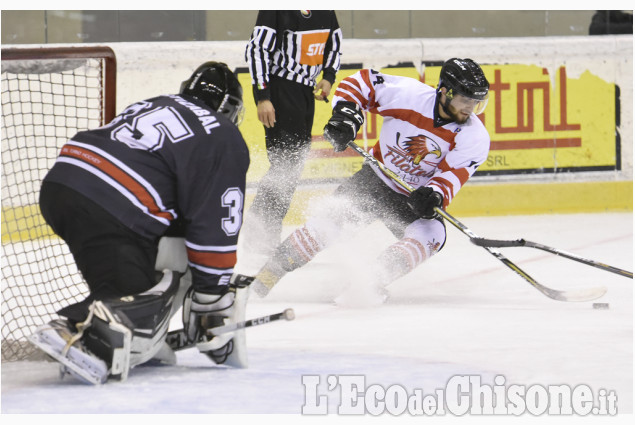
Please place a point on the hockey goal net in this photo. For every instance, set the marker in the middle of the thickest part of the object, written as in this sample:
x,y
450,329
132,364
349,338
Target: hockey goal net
x,y
48,95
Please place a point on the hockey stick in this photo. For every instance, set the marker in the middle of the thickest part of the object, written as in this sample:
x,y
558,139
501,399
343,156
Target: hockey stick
x,y
287,314
177,340
495,243
580,295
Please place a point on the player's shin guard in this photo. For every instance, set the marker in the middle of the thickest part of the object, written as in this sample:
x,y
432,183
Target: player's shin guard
x,y
294,252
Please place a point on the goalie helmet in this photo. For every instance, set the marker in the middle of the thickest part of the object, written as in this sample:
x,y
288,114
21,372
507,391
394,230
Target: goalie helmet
x,y
215,84
465,77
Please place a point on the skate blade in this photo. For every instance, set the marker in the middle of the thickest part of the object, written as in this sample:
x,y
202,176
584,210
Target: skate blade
x,y
84,367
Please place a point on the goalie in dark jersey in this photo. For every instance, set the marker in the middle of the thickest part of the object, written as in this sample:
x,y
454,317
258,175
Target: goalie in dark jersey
x,y
170,165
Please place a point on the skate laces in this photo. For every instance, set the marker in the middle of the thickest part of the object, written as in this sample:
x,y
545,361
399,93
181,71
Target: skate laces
x,y
81,327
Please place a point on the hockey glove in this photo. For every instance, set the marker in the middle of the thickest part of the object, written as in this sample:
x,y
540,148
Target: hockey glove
x,y
343,126
202,311
424,200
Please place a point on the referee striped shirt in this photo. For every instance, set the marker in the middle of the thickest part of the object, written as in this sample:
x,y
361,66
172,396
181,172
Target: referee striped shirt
x,y
295,45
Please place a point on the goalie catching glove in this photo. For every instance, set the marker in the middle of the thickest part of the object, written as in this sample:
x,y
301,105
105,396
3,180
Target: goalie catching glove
x,y
424,200
343,126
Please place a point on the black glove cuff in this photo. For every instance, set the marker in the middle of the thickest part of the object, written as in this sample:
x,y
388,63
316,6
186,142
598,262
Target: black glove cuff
x,y
344,111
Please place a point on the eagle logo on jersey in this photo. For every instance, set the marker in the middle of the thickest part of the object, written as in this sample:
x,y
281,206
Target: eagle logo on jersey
x,y
418,148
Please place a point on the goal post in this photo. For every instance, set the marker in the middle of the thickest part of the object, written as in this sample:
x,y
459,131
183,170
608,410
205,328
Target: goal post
x,y
48,95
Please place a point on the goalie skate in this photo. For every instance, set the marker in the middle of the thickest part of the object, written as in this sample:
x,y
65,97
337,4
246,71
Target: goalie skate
x,y
58,340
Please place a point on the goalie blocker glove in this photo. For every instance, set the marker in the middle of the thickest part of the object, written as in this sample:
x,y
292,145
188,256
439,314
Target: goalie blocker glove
x,y
424,200
203,311
343,126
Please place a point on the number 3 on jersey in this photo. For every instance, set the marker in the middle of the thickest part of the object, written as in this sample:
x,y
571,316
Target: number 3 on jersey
x,y
232,199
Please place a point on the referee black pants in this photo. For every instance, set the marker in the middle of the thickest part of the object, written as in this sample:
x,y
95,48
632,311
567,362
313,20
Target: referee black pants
x,y
288,143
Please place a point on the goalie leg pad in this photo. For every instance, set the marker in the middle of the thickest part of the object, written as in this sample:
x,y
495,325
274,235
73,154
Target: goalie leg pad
x,y
117,334
238,356
146,316
203,311
109,339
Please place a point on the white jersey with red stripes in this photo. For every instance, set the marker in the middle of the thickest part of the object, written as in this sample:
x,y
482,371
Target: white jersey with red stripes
x,y
442,157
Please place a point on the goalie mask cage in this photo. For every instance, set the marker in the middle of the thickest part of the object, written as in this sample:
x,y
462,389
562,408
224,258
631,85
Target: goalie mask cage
x,y
48,95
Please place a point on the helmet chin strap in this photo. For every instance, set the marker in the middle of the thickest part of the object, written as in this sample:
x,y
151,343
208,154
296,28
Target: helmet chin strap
x,y
445,105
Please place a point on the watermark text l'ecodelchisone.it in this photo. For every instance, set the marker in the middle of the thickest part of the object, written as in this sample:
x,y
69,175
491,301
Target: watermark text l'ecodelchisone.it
x,y
462,395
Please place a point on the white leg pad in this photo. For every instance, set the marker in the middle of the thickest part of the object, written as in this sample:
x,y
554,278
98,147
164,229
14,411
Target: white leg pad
x,y
238,357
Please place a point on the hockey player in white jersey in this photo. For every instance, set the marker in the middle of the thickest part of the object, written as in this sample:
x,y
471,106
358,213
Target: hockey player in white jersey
x,y
432,139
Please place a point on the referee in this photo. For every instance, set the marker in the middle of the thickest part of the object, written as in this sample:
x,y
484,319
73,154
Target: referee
x,y
286,53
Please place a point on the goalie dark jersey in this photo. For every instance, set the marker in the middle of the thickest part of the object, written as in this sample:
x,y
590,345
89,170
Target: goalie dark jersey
x,y
166,160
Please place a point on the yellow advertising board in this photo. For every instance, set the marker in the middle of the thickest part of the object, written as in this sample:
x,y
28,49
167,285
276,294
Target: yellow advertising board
x,y
539,121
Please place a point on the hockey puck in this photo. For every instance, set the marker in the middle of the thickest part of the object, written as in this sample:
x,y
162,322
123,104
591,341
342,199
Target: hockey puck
x,y
601,306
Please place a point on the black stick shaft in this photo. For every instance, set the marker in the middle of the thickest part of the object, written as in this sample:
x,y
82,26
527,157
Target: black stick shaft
x,y
177,340
496,243
288,314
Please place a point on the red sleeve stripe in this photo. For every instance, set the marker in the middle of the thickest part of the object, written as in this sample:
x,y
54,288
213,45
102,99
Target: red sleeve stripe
x,y
350,97
445,183
446,195
444,166
365,74
351,85
224,260
462,174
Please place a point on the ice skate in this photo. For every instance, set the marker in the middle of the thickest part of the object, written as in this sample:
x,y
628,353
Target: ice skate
x,y
61,341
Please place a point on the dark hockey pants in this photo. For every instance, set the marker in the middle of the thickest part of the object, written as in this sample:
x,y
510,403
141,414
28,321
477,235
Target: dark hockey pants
x,y
114,260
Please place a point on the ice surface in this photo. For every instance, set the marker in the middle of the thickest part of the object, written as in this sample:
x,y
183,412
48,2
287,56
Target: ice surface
x,y
460,313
